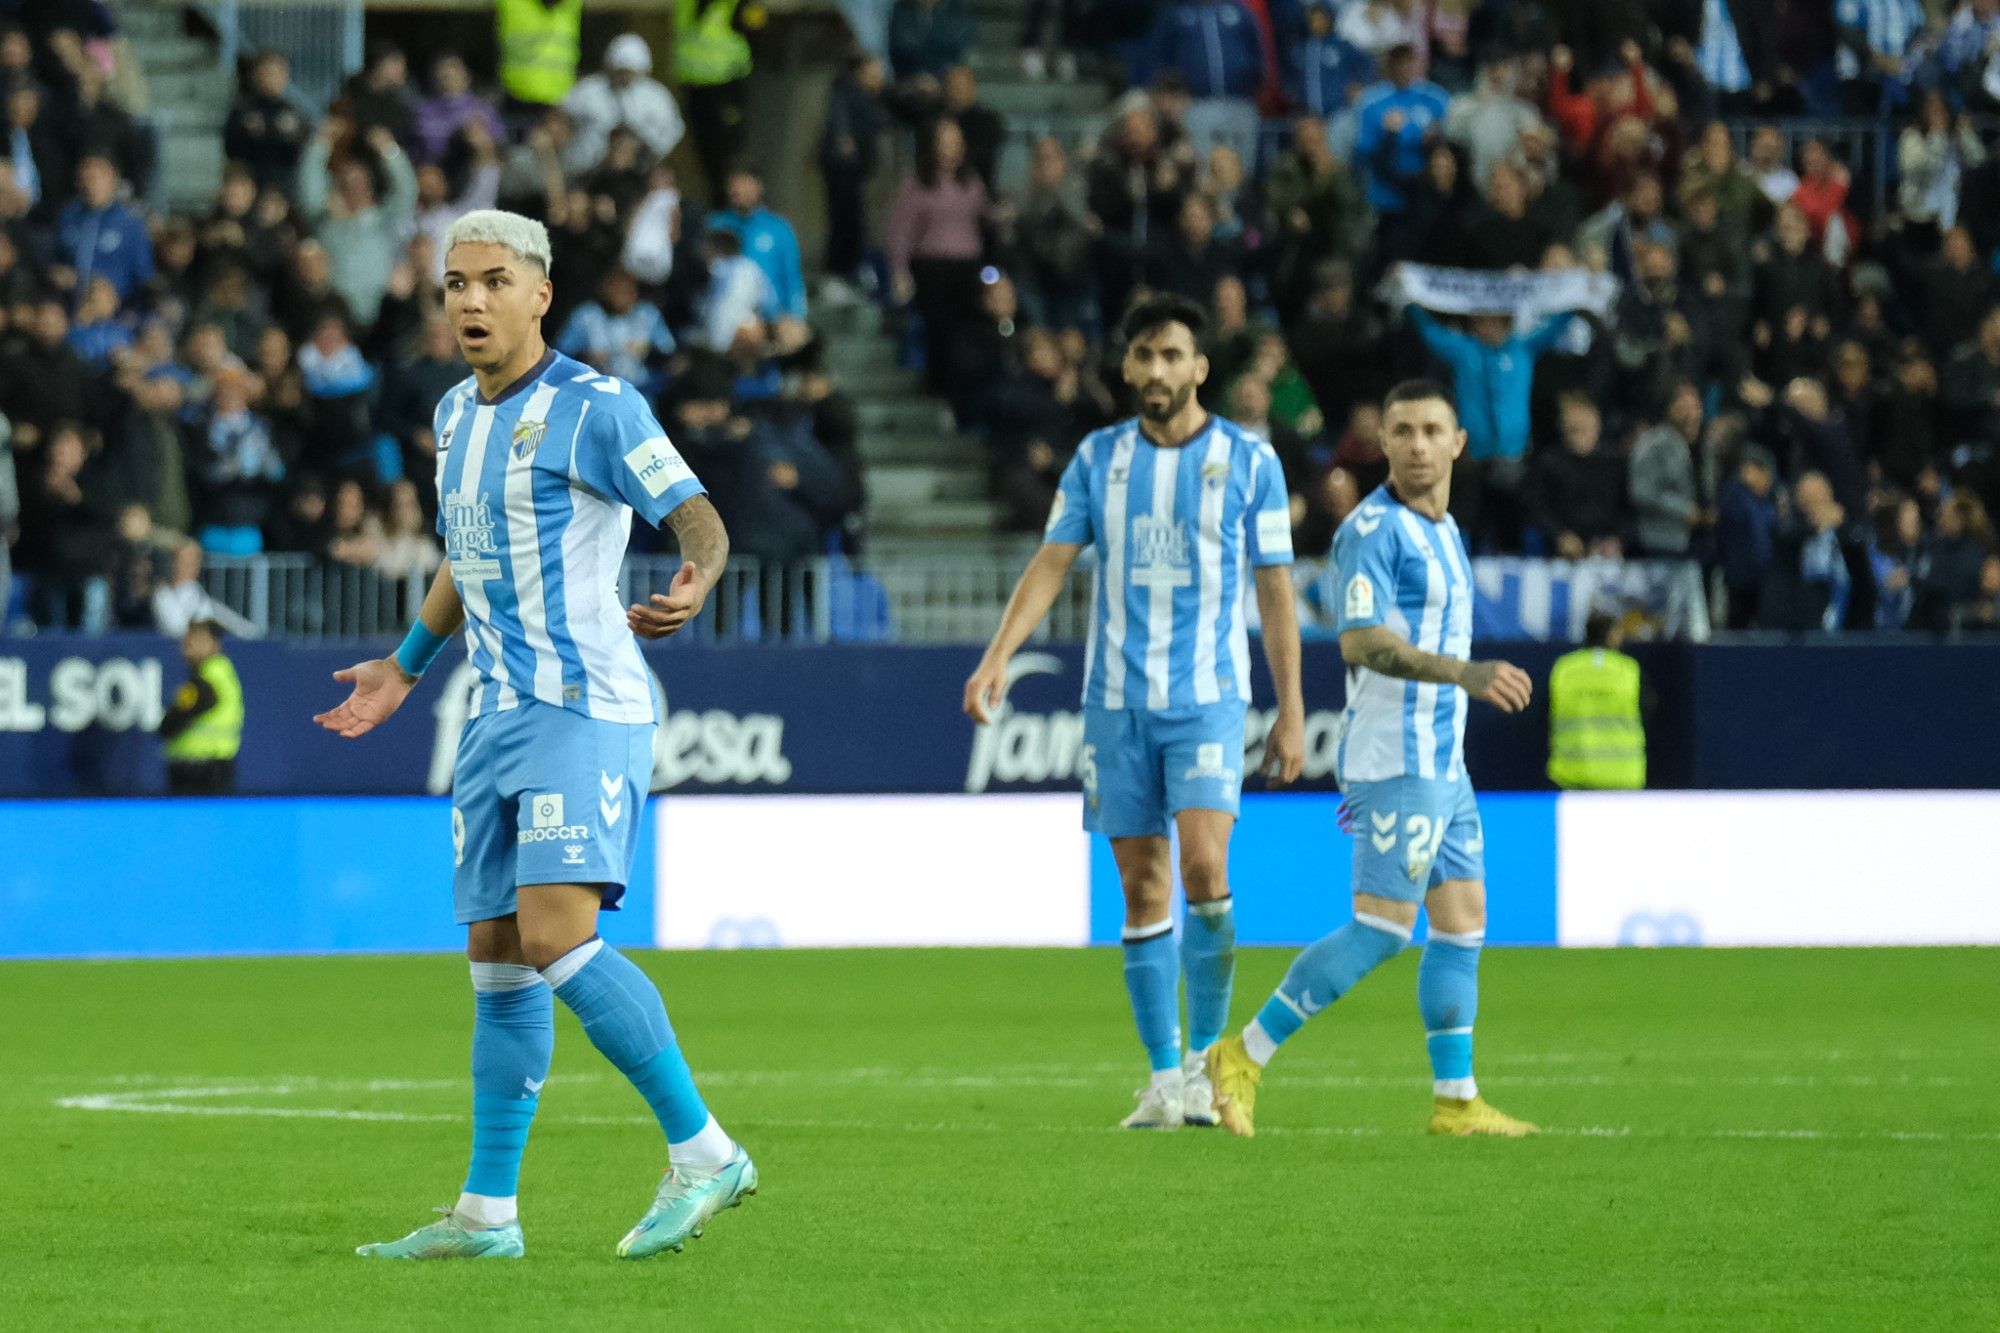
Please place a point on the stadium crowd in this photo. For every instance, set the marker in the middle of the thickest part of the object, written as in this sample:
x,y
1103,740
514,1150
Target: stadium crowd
x,y
1799,392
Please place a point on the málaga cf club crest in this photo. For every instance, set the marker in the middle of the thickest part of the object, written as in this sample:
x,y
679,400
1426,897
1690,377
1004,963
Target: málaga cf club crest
x,y
528,436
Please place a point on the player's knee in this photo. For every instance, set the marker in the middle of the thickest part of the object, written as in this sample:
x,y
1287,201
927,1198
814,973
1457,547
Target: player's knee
x,y
1204,874
496,941
544,942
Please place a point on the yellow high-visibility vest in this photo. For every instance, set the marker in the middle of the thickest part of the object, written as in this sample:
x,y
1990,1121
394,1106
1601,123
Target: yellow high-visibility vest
x,y
1597,741
539,49
708,50
218,733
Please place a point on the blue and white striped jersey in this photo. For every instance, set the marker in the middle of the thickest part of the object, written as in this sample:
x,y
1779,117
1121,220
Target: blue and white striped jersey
x,y
1175,531
1397,568
536,492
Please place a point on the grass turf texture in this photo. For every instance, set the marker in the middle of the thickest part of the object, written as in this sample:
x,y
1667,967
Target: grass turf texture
x,y
1744,1140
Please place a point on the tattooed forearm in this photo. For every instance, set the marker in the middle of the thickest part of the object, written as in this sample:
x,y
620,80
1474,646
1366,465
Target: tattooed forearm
x,y
703,540
1383,650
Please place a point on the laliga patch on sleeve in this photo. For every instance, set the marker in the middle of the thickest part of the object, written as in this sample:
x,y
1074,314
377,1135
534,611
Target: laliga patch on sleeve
x,y
1274,531
1360,602
1055,515
658,466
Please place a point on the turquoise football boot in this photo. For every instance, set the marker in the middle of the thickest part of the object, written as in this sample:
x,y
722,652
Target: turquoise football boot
x,y
684,1203
451,1238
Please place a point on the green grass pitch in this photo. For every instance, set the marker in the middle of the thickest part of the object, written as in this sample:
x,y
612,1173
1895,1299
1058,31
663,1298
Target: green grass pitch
x,y
1740,1140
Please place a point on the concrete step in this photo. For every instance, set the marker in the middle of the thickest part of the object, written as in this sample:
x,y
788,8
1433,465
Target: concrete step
x,y
201,86
913,484
143,24
1009,551
1019,98
863,320
851,360
873,382
933,517
938,451
905,416
177,51
190,169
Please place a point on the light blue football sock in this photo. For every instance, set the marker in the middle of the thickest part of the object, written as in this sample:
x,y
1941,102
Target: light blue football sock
x,y
513,1039
1448,999
1152,978
624,1017
1322,974
1208,960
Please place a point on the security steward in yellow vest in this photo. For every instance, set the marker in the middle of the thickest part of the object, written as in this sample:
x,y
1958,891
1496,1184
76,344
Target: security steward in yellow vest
x,y
539,49
204,727
1597,739
711,64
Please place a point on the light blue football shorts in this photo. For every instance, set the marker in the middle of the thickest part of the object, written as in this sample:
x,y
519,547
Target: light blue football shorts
x,y
1413,834
1142,768
544,795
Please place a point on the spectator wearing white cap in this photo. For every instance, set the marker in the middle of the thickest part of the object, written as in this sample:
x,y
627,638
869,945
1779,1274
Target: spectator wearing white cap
x,y
622,93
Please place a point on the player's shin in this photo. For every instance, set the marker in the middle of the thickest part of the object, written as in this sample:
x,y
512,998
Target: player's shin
x,y
624,1017
1322,974
1208,960
1448,999
513,1039
1152,979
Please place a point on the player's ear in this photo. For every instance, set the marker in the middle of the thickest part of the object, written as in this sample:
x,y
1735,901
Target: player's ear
x,y
1200,368
1458,447
544,294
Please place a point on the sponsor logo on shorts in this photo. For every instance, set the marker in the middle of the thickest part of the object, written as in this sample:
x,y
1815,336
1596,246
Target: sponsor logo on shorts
x,y
545,819
1210,761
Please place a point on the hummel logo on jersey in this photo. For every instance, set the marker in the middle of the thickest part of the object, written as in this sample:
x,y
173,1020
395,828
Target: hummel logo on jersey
x,y
611,805
1365,522
1384,836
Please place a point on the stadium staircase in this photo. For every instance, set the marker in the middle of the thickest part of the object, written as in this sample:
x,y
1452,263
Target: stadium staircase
x,y
189,91
927,485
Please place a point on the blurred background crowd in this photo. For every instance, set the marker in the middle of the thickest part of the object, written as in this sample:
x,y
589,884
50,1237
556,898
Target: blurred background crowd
x,y
1797,384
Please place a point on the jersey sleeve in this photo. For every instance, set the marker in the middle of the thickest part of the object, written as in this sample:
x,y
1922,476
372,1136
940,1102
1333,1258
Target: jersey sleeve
x,y
1365,564
622,451
1069,516
1270,511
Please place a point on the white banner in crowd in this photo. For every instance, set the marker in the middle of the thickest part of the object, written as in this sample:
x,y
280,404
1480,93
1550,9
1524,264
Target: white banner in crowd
x,y
1528,297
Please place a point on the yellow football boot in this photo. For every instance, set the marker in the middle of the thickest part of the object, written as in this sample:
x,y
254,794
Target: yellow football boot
x,y
1463,1119
1235,1077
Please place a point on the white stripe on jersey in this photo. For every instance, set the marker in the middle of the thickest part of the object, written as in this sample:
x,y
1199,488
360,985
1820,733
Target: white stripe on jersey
x,y
524,544
1208,556
1117,494
458,398
583,570
1458,646
1087,453
1430,639
479,610
1160,597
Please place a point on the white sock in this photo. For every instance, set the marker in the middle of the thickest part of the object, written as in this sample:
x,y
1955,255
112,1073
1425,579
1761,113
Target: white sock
x,y
1257,1043
562,969
1169,1079
485,1210
705,1154
1459,1089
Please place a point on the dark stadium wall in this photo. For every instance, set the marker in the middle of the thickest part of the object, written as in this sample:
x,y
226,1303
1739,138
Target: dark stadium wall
x,y
76,719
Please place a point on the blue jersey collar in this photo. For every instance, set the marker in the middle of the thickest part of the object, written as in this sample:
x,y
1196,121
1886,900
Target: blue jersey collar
x,y
1207,424
535,372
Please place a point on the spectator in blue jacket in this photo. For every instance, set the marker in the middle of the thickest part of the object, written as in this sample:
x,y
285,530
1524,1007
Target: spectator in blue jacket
x,y
619,334
928,37
1492,377
768,240
1325,71
1745,533
97,236
1214,46
1399,110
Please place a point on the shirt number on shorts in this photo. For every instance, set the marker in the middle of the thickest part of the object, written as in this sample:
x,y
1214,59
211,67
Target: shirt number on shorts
x,y
1425,835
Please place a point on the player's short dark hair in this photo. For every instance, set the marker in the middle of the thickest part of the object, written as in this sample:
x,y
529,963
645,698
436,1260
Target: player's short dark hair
x,y
1420,391
212,628
1597,629
1158,311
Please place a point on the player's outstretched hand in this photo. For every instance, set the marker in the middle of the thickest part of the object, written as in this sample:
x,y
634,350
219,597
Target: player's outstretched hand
x,y
1285,750
379,690
1501,684
664,613
985,690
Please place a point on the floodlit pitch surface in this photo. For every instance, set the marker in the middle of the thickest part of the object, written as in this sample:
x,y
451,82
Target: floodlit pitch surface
x,y
1741,1140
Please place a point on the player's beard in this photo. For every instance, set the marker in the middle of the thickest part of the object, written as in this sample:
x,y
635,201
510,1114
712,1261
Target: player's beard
x,y
1160,411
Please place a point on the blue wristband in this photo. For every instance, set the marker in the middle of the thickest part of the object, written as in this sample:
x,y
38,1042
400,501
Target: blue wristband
x,y
420,648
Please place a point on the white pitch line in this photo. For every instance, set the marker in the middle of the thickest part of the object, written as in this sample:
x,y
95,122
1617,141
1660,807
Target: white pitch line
x,y
203,1099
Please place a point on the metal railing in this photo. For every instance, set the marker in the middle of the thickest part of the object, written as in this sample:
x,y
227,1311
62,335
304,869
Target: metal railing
x,y
922,599
323,40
